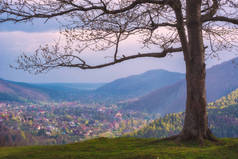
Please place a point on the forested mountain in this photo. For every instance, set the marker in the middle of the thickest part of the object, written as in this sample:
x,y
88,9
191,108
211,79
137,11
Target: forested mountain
x,y
222,117
156,91
121,89
221,79
79,86
20,92
29,92
141,84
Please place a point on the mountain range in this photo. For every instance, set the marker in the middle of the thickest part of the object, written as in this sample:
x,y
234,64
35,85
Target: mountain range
x,y
121,89
25,92
221,80
20,92
155,91
139,85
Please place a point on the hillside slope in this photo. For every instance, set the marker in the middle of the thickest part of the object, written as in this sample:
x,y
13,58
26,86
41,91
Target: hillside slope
x,y
126,148
221,79
222,119
20,92
138,85
12,91
121,89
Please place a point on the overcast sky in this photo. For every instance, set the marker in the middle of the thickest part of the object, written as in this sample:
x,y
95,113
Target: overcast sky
x,y
18,38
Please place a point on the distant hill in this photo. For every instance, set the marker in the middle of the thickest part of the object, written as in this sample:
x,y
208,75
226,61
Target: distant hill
x,y
222,119
69,91
121,89
29,92
20,92
221,79
155,91
138,85
79,86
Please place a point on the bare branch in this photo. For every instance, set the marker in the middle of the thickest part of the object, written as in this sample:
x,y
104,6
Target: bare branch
x,y
210,10
55,9
100,25
125,58
51,59
222,19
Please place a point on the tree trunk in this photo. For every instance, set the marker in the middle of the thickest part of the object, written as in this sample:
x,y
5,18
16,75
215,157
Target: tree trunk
x,y
196,121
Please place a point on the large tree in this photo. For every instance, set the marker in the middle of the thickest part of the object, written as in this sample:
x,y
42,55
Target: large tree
x,y
172,26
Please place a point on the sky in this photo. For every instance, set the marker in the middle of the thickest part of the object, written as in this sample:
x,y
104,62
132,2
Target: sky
x,y
26,37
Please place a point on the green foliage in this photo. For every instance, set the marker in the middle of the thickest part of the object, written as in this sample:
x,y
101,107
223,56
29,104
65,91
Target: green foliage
x,y
222,119
169,125
225,101
23,135
126,148
223,122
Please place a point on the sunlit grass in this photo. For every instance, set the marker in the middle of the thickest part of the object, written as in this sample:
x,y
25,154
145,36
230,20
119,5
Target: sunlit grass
x,y
126,148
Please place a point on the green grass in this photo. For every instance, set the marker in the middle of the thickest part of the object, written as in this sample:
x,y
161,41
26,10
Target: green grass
x,y
126,148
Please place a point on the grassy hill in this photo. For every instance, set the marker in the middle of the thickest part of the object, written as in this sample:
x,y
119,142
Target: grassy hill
x,y
126,148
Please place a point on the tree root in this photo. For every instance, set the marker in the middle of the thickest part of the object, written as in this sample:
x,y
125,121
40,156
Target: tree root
x,y
182,137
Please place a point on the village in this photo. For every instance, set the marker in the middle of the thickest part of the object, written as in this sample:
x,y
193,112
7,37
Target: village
x,y
71,120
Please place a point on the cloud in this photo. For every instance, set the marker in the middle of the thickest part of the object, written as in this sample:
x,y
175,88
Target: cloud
x,y
14,43
18,42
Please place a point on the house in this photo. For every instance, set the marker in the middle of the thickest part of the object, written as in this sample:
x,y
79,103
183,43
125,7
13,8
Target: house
x,y
118,115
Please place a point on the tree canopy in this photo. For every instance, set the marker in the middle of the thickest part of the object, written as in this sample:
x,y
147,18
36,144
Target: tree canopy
x,y
102,24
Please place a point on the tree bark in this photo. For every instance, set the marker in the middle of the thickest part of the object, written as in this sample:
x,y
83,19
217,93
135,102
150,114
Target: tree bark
x,y
196,121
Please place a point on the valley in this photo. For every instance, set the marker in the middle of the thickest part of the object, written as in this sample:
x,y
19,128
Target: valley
x,y
144,105
67,122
